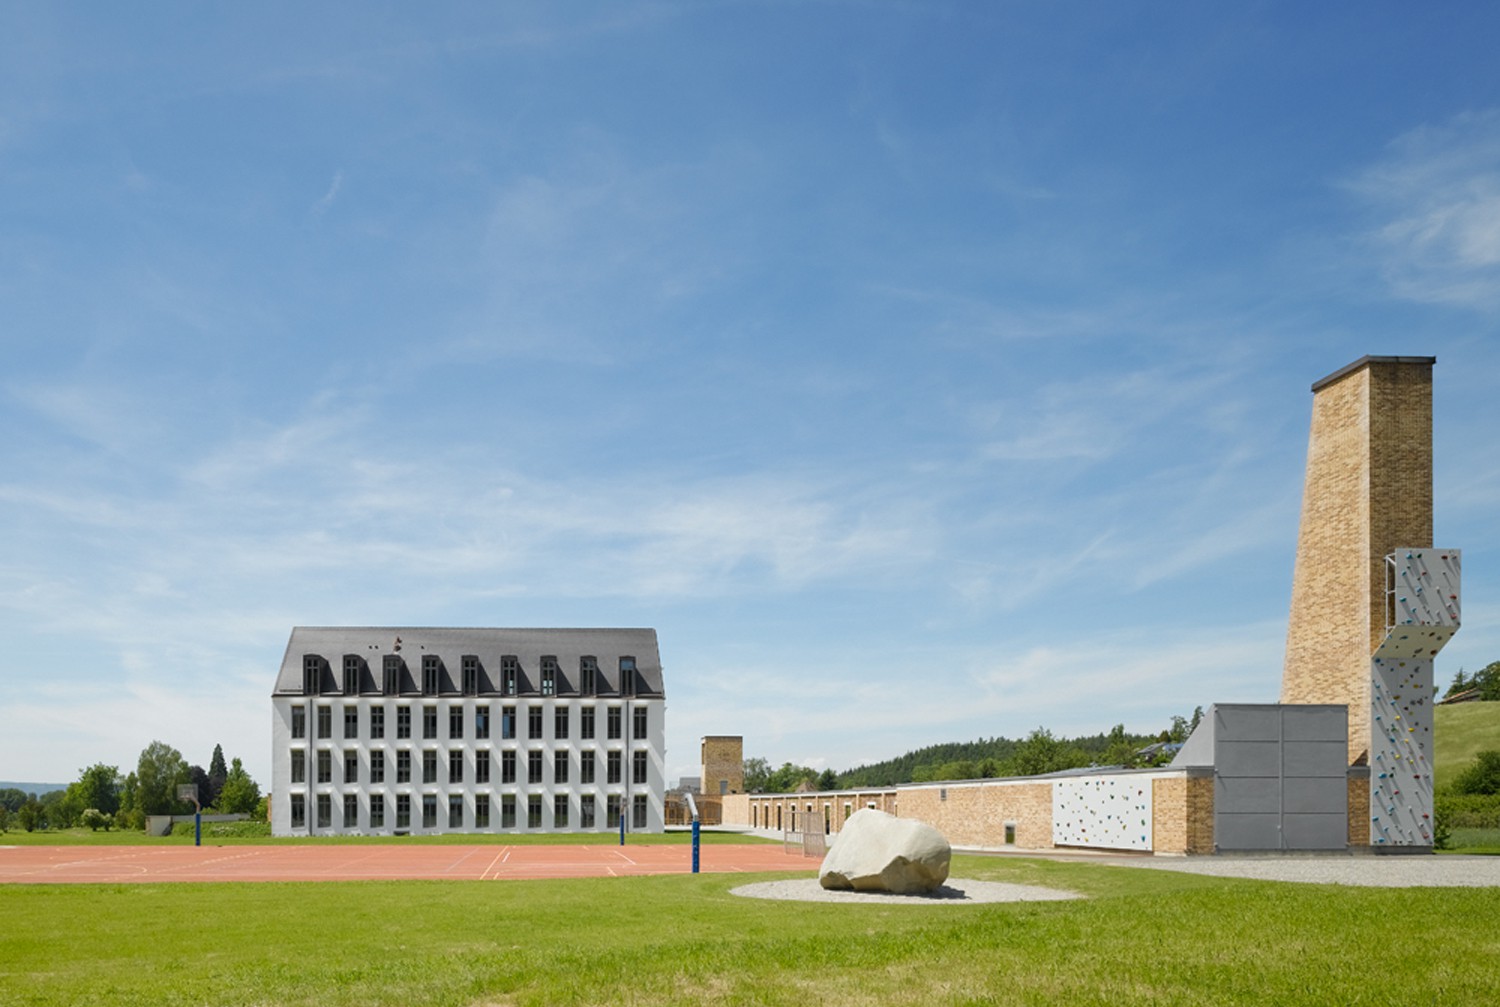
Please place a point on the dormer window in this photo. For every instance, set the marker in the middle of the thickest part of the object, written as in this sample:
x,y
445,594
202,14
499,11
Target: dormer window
x,y
312,675
353,665
549,675
432,674
391,675
627,676
471,675
510,674
588,675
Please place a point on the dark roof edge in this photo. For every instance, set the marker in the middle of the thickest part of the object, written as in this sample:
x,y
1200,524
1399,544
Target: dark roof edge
x,y
1365,361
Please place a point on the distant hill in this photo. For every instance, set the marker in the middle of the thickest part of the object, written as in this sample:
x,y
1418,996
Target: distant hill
x,y
32,788
1463,731
994,751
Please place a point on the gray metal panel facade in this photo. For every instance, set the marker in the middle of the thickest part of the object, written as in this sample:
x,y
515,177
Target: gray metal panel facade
x,y
1280,777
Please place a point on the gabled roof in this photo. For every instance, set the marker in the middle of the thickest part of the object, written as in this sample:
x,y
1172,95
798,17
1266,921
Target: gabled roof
x,y
451,645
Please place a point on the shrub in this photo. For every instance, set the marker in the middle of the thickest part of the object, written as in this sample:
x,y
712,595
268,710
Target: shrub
x,y
1482,776
96,819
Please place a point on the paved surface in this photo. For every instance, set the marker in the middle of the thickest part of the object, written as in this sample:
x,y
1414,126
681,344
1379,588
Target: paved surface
x,y
394,861
1373,871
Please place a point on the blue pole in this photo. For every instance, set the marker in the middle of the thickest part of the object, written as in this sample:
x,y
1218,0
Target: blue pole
x,y
622,826
197,828
695,846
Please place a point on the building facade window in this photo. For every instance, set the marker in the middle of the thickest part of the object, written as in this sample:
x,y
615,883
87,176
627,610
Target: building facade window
x,y
586,811
403,811
432,673
325,722
612,774
533,767
482,722
351,722
638,767
325,811
586,723
352,668
612,811
534,811
377,722
560,766
481,811
588,675
549,675
351,811
325,766
560,724
455,722
390,675
627,676
429,766
403,767
312,675
455,811
403,722
510,674
560,811
482,766
507,811
471,675
377,811
638,812
638,722
429,811
612,729
586,766
507,767
351,767
429,723
534,723
507,723
299,811
299,766
299,722
456,766
377,766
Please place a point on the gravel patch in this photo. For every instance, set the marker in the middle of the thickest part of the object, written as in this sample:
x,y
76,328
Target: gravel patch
x,y
957,892
1413,871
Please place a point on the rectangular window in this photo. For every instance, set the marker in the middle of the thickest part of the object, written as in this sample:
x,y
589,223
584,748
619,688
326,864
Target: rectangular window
x,y
455,811
429,722
312,674
507,723
351,811
533,767
390,675
403,767
588,675
560,811
403,811
560,723
377,811
299,766
299,722
638,813
612,811
325,766
510,673
481,811
508,811
351,767
586,723
481,722
403,722
325,811
507,767
351,722
432,672
613,722
471,675
549,675
325,722
586,767
456,766
560,766
482,766
299,811
627,676
534,811
534,723
377,722
455,722
429,811
638,767
351,674
377,766
613,772
429,767
638,722
586,811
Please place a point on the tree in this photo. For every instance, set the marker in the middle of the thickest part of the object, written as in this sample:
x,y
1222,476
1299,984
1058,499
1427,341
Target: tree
x,y
1461,683
200,781
97,787
160,769
1042,753
828,780
240,794
61,810
1482,776
757,773
788,777
12,799
4,819
32,816
1487,681
217,774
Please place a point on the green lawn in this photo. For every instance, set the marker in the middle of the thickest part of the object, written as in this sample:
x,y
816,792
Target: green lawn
x,y
1462,731
1142,937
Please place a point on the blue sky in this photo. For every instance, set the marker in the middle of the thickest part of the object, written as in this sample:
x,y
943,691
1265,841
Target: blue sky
x,y
920,372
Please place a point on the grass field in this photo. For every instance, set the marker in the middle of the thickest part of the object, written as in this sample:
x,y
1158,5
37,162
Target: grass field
x,y
1141,937
1462,732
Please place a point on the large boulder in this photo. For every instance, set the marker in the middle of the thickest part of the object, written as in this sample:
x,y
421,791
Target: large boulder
x,y
877,852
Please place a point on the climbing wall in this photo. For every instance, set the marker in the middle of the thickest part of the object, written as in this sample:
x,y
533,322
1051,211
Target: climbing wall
x,y
1422,587
1113,812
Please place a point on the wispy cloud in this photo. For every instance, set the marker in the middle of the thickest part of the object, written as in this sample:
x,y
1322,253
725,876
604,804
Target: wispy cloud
x,y
322,205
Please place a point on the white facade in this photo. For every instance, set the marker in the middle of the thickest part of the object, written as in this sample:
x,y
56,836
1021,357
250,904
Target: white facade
x,y
455,745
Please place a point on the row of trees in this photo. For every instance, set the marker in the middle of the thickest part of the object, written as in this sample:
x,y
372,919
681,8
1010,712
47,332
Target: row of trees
x,y
1486,680
102,798
1039,752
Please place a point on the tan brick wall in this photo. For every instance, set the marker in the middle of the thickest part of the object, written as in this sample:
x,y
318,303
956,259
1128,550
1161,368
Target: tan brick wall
x,y
1182,814
1200,814
734,809
1359,809
974,814
1367,492
723,760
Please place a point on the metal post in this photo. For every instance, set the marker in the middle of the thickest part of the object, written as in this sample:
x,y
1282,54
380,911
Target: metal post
x,y
695,845
622,826
197,826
